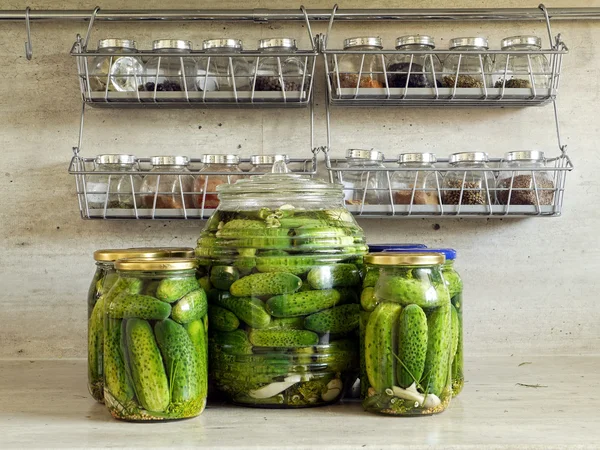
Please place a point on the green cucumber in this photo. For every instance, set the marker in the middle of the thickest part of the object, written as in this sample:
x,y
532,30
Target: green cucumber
x,y
204,283
338,275
192,306
149,377
233,342
368,301
362,374
371,277
259,284
412,345
222,319
339,319
116,380
455,331
439,344
198,334
127,306
407,291
283,338
222,277
286,323
172,289
250,310
303,303
95,346
380,344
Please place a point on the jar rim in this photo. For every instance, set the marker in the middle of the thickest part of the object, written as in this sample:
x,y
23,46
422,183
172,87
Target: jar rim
x,y
405,259
155,264
114,254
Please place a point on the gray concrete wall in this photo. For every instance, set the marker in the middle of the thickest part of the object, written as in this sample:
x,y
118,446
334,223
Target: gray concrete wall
x,y
531,285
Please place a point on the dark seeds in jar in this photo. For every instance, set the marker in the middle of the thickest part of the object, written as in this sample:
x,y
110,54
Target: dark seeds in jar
x,y
527,195
398,80
472,194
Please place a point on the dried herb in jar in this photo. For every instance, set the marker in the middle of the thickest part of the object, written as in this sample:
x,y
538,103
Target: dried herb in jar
x,y
472,193
166,86
404,197
523,191
350,80
417,77
513,83
464,81
274,84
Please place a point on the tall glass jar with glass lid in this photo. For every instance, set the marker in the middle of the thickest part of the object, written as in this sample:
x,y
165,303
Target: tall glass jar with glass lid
x,y
418,186
113,190
520,69
475,186
122,72
523,180
273,70
264,163
223,73
171,73
171,187
284,257
466,70
104,279
205,187
368,186
406,335
155,341
360,70
424,69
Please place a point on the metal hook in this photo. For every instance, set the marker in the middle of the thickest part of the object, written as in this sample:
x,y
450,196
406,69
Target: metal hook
x,y
329,26
547,17
28,46
91,24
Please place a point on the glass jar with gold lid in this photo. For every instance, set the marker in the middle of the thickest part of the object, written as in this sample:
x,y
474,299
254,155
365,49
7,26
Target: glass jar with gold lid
x,y
155,342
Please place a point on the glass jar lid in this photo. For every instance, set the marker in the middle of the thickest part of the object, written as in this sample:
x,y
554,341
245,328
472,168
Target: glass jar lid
x,y
469,42
116,43
220,159
173,44
114,254
415,39
268,159
169,160
222,43
449,253
277,42
372,155
416,158
521,40
405,259
156,264
115,159
525,155
363,41
468,157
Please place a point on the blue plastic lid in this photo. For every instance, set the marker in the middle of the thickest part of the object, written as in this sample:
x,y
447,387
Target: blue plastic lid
x,y
450,253
376,248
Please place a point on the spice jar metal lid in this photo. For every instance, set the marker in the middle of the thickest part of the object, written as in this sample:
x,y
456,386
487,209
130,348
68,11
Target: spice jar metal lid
x,y
268,159
405,259
415,39
169,160
220,159
372,155
174,44
277,42
525,155
469,42
116,43
156,264
520,40
363,41
222,43
115,159
468,157
416,158
114,254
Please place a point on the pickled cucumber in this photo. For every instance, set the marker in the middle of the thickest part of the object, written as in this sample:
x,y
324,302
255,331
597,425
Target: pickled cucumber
x,y
172,289
197,332
439,343
95,346
250,310
371,277
204,283
116,379
233,342
412,345
362,374
222,319
259,284
338,275
455,331
407,291
303,303
222,277
339,319
126,306
282,338
368,301
287,323
192,306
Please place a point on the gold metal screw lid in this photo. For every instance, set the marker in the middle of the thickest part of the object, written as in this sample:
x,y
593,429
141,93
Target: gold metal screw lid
x,y
113,254
405,259
156,264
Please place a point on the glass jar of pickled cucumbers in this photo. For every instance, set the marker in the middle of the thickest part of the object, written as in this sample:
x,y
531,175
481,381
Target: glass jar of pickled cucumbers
x,y
155,341
104,278
406,337
284,258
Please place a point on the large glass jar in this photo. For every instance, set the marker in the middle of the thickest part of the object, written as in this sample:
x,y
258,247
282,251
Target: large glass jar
x,y
406,337
360,70
424,68
284,257
165,190
122,72
264,163
218,73
475,186
171,73
521,70
273,69
464,70
368,187
113,191
418,186
205,186
523,180
155,341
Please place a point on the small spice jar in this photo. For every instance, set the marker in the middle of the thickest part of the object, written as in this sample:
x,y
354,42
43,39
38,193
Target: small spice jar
x,y
113,190
418,186
122,72
465,70
170,190
273,71
423,68
223,73
205,186
475,186
370,187
406,335
264,163
155,341
171,73
523,180
367,67
519,69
